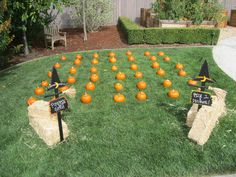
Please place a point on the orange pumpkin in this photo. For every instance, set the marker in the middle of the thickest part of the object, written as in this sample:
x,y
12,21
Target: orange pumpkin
x,y
79,57
93,70
94,78
111,54
63,58
86,98
161,72
173,94
179,66
44,83
167,83
94,61
95,55
118,86
90,86
128,53
114,68
153,58
161,53
141,85
155,65
131,58
119,98
57,65
77,62
166,58
147,54
182,73
138,75
49,73
192,82
64,88
141,96
39,91
120,76
112,60
31,100
71,80
134,67
73,70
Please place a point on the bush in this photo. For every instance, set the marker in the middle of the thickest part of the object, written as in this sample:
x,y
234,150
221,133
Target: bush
x,y
137,35
133,33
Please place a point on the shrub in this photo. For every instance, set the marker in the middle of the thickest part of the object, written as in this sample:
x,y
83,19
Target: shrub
x,y
137,35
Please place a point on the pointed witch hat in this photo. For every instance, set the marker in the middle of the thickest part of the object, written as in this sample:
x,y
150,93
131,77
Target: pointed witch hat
x,y
55,77
204,74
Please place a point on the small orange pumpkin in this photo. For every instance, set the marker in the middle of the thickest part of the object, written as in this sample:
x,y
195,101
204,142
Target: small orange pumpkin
x,y
39,91
182,73
134,67
57,65
71,80
73,70
111,54
79,57
192,82
49,73
161,72
90,86
161,53
167,83
63,58
166,58
153,58
179,66
128,53
112,60
173,94
86,98
155,65
77,62
147,54
114,68
141,96
44,83
94,61
118,86
93,70
31,100
94,78
138,75
120,76
64,88
141,85
119,98
95,55
131,58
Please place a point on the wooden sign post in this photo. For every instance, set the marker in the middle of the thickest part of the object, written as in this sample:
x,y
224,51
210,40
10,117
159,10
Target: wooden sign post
x,y
58,104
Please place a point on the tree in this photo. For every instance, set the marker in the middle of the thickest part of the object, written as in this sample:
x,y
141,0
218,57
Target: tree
x,y
29,12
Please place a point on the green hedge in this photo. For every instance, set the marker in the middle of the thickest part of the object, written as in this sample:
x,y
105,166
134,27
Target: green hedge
x,y
137,35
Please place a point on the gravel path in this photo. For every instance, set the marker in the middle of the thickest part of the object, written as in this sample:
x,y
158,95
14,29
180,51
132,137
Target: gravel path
x,y
224,52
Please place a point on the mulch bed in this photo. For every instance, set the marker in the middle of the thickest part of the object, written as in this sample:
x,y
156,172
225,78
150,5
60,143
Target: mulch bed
x,y
110,37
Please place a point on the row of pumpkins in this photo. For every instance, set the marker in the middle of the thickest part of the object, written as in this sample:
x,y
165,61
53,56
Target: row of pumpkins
x,y
90,86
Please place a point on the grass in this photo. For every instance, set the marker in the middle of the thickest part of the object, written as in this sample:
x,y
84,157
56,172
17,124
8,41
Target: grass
x,y
107,139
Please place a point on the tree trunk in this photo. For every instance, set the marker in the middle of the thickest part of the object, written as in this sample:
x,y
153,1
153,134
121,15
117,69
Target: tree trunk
x,y
84,22
25,42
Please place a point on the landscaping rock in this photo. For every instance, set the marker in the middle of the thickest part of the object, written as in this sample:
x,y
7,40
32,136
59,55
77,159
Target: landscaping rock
x,y
204,120
44,123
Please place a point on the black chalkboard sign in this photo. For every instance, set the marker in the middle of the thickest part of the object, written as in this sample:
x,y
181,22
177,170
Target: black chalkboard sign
x,y
201,98
58,105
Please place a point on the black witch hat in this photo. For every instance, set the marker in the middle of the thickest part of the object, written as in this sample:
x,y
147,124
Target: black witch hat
x,y
55,77
204,74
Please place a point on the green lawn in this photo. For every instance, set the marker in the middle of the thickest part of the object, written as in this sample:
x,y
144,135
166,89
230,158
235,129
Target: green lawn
x,y
108,139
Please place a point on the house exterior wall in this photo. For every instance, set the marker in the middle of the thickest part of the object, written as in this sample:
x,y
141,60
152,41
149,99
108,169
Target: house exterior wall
x,y
129,8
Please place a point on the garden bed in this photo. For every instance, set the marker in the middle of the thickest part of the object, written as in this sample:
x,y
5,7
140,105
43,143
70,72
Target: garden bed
x,y
108,139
